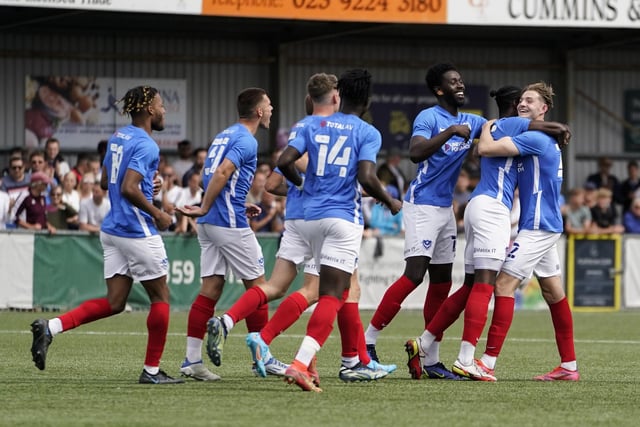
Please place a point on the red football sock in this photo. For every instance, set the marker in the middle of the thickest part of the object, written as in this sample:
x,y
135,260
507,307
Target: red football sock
x,y
436,294
247,304
363,354
475,312
157,326
86,312
449,311
287,313
348,319
500,324
256,320
201,311
321,321
563,325
391,301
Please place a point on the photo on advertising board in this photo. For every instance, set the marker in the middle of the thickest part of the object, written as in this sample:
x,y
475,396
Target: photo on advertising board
x,y
80,110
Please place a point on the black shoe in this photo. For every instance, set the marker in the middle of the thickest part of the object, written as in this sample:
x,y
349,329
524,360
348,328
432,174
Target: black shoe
x,y
160,378
371,349
41,340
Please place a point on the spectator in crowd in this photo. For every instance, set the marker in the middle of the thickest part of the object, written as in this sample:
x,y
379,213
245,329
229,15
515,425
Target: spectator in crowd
x,y
604,178
85,186
199,156
389,172
39,164
55,160
254,196
267,220
14,152
101,149
577,216
70,195
82,166
169,196
32,212
632,217
189,196
16,183
383,222
184,160
590,194
629,186
59,213
95,167
93,210
6,204
604,214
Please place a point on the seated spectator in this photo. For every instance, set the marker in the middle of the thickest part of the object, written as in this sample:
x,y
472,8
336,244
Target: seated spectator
x,y
184,161
383,222
6,205
85,186
167,199
55,160
16,183
69,193
577,219
32,212
81,167
630,185
604,214
604,178
189,196
199,156
93,210
254,196
632,218
59,213
590,194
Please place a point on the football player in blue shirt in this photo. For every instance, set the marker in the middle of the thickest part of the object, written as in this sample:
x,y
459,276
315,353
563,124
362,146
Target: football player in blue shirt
x,y
534,250
133,249
342,151
442,137
226,240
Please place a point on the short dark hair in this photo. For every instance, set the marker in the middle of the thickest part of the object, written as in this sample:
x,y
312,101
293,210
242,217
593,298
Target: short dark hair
x,y
355,86
435,73
248,100
505,97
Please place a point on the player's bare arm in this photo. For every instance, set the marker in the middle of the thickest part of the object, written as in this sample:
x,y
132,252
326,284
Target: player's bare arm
x,y
286,164
131,191
560,131
372,185
276,184
503,147
421,148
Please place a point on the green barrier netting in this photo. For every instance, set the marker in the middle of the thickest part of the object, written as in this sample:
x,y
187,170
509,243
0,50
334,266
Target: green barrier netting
x,y
68,270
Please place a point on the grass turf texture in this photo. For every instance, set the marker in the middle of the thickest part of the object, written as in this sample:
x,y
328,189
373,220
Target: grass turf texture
x,y
91,379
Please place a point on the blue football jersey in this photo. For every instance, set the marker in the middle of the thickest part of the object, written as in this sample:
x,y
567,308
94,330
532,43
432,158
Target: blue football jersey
x,y
335,145
437,176
130,148
498,175
239,146
539,181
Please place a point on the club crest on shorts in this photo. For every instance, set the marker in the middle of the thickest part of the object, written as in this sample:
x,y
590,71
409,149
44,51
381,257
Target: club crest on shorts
x,y
426,243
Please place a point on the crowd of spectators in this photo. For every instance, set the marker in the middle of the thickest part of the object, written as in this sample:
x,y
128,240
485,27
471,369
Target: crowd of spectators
x,y
40,191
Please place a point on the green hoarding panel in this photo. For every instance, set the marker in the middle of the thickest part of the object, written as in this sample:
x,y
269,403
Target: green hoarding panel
x,y
68,270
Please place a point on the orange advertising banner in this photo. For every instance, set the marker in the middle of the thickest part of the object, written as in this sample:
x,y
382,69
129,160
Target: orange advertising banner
x,y
387,11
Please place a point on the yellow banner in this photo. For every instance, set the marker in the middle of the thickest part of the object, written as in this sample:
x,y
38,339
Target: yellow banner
x,y
387,11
